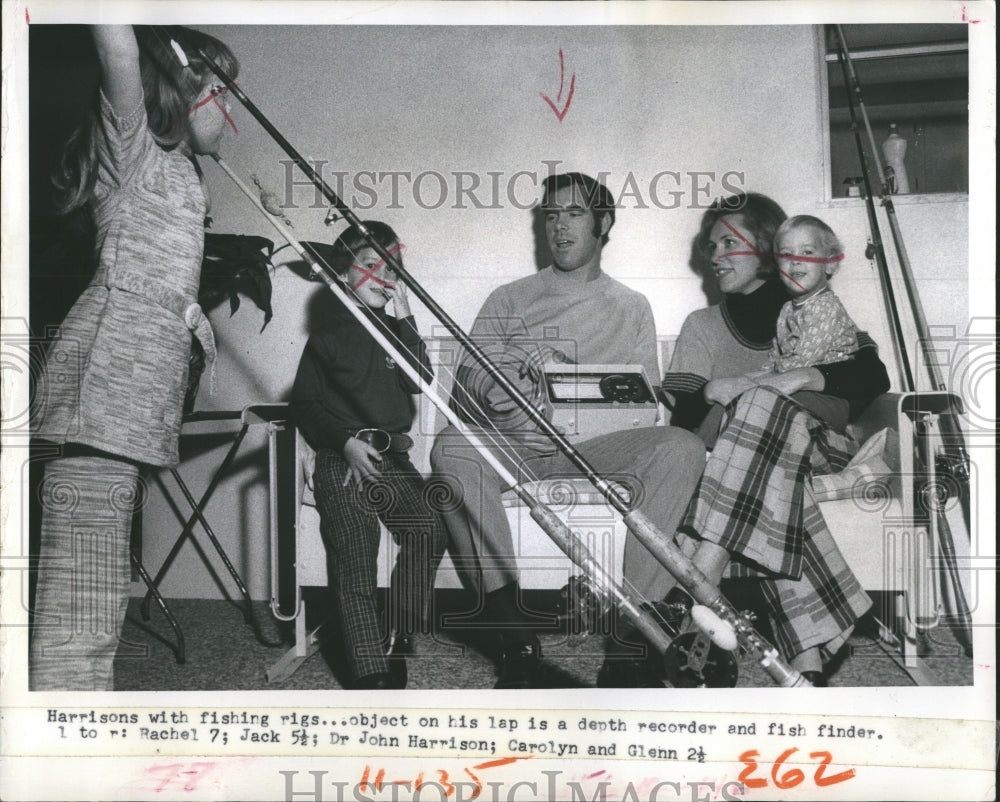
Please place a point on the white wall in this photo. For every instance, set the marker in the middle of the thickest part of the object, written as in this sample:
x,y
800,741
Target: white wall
x,y
710,99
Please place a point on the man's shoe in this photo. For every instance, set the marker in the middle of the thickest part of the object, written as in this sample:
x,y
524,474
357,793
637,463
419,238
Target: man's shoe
x,y
627,672
519,665
623,667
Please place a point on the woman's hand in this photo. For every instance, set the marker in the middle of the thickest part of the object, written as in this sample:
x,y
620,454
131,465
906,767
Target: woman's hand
x,y
722,391
363,462
794,380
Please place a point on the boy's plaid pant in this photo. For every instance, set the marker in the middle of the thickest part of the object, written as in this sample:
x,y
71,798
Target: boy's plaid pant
x,y
349,524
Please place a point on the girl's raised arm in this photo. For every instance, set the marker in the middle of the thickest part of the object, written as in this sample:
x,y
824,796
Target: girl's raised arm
x,y
121,79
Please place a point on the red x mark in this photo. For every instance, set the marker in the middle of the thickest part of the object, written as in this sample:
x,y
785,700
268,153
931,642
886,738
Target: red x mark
x,y
222,108
817,260
213,97
752,252
370,274
790,257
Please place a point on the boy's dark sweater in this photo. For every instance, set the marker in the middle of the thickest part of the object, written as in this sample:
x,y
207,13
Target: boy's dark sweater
x,y
346,381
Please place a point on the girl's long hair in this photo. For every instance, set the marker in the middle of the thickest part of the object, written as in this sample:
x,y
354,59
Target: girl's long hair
x,y
169,91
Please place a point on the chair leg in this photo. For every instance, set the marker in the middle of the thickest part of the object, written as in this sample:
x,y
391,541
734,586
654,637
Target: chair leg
x,y
249,616
305,646
189,525
179,652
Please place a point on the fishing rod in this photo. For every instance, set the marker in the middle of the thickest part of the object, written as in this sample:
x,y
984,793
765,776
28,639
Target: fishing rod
x,y
659,544
877,248
565,538
608,490
951,457
958,459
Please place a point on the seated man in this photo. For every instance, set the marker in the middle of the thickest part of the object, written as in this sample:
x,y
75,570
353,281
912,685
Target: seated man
x,y
591,319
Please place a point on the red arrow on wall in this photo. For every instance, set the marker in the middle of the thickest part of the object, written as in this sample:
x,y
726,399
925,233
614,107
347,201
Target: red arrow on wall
x,y
569,95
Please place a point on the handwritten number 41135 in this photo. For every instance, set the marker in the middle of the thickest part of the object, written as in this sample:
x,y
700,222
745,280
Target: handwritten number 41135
x,y
791,777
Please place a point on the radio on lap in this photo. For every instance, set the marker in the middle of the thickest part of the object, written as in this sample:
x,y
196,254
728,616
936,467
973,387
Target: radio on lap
x,y
586,401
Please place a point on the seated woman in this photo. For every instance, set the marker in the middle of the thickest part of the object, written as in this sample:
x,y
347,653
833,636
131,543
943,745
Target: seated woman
x,y
769,435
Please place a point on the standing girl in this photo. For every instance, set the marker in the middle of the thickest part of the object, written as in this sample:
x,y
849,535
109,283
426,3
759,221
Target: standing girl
x,y
115,376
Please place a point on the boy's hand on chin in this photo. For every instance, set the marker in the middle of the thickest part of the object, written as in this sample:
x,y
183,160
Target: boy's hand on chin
x,y
400,300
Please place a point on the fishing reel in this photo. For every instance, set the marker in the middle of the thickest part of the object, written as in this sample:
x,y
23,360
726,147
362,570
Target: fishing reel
x,y
693,661
954,466
703,654
584,608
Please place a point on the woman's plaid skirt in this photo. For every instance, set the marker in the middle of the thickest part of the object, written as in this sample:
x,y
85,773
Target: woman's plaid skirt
x,y
754,500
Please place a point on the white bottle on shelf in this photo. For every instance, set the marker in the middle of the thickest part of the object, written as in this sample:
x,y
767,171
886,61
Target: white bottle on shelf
x,y
894,150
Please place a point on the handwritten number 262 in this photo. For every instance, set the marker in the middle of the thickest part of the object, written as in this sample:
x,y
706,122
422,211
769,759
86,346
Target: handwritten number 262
x,y
792,777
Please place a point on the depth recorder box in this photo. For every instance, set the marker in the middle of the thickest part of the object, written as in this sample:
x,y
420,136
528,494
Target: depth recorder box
x,y
585,401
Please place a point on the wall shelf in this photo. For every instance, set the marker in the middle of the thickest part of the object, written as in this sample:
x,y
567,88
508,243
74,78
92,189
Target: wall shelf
x,y
913,76
912,199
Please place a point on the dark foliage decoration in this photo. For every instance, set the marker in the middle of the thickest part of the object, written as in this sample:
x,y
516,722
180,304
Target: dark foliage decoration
x,y
196,367
233,264
236,264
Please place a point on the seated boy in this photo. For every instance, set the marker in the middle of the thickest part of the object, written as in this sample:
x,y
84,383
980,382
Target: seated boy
x,y
353,403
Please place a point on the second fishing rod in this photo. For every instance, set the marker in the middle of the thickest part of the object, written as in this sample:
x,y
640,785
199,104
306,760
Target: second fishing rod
x,y
658,543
